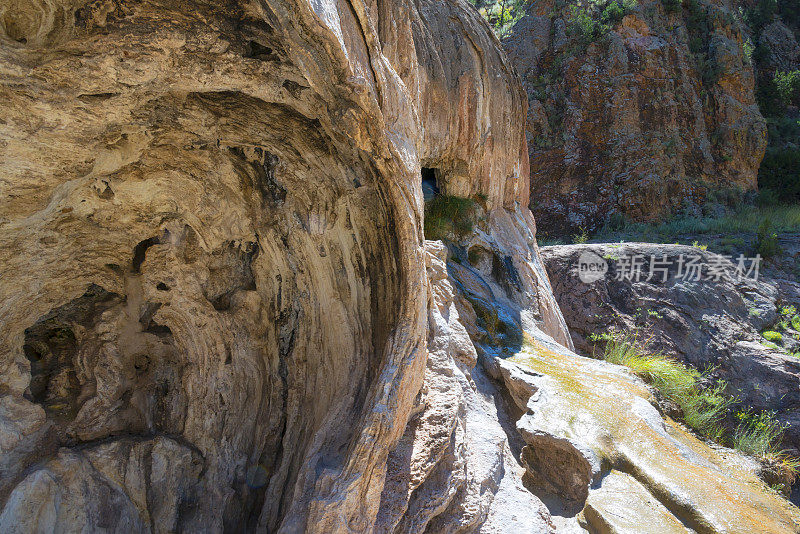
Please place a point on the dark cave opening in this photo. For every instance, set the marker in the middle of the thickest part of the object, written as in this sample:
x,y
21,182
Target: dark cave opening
x,y
430,187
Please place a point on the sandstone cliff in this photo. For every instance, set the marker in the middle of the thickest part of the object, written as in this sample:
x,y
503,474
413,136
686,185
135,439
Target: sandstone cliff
x,y
213,292
642,113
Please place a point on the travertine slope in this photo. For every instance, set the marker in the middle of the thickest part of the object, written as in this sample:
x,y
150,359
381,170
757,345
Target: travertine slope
x,y
649,117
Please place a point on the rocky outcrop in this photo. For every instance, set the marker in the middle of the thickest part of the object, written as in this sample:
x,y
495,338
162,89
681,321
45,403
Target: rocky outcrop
x,y
783,51
640,116
454,469
492,439
711,320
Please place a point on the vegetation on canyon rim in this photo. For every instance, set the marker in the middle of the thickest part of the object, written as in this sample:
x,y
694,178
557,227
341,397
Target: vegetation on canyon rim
x,y
778,95
777,91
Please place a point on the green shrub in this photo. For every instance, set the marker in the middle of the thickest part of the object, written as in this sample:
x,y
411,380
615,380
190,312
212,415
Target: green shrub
x,y
767,240
447,216
768,97
760,14
780,172
767,197
613,13
581,238
790,12
583,24
771,335
501,15
748,48
788,85
672,6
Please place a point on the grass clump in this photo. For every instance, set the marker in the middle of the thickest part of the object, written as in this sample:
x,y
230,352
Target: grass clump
x,y
743,220
581,238
447,216
757,433
703,408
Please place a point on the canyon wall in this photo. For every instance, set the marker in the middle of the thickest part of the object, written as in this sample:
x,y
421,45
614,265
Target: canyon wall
x,y
639,114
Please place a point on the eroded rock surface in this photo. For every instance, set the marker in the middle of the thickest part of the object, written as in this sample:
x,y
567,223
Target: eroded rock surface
x,y
655,116
454,469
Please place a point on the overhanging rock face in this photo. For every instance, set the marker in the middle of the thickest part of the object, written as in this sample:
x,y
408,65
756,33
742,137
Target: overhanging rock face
x,y
212,283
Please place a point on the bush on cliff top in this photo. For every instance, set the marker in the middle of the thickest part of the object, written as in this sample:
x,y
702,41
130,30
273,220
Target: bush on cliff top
x,y
501,15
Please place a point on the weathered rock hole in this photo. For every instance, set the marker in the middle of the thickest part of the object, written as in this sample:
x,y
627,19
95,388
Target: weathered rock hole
x,y
294,88
141,363
140,251
52,347
230,271
161,286
256,50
